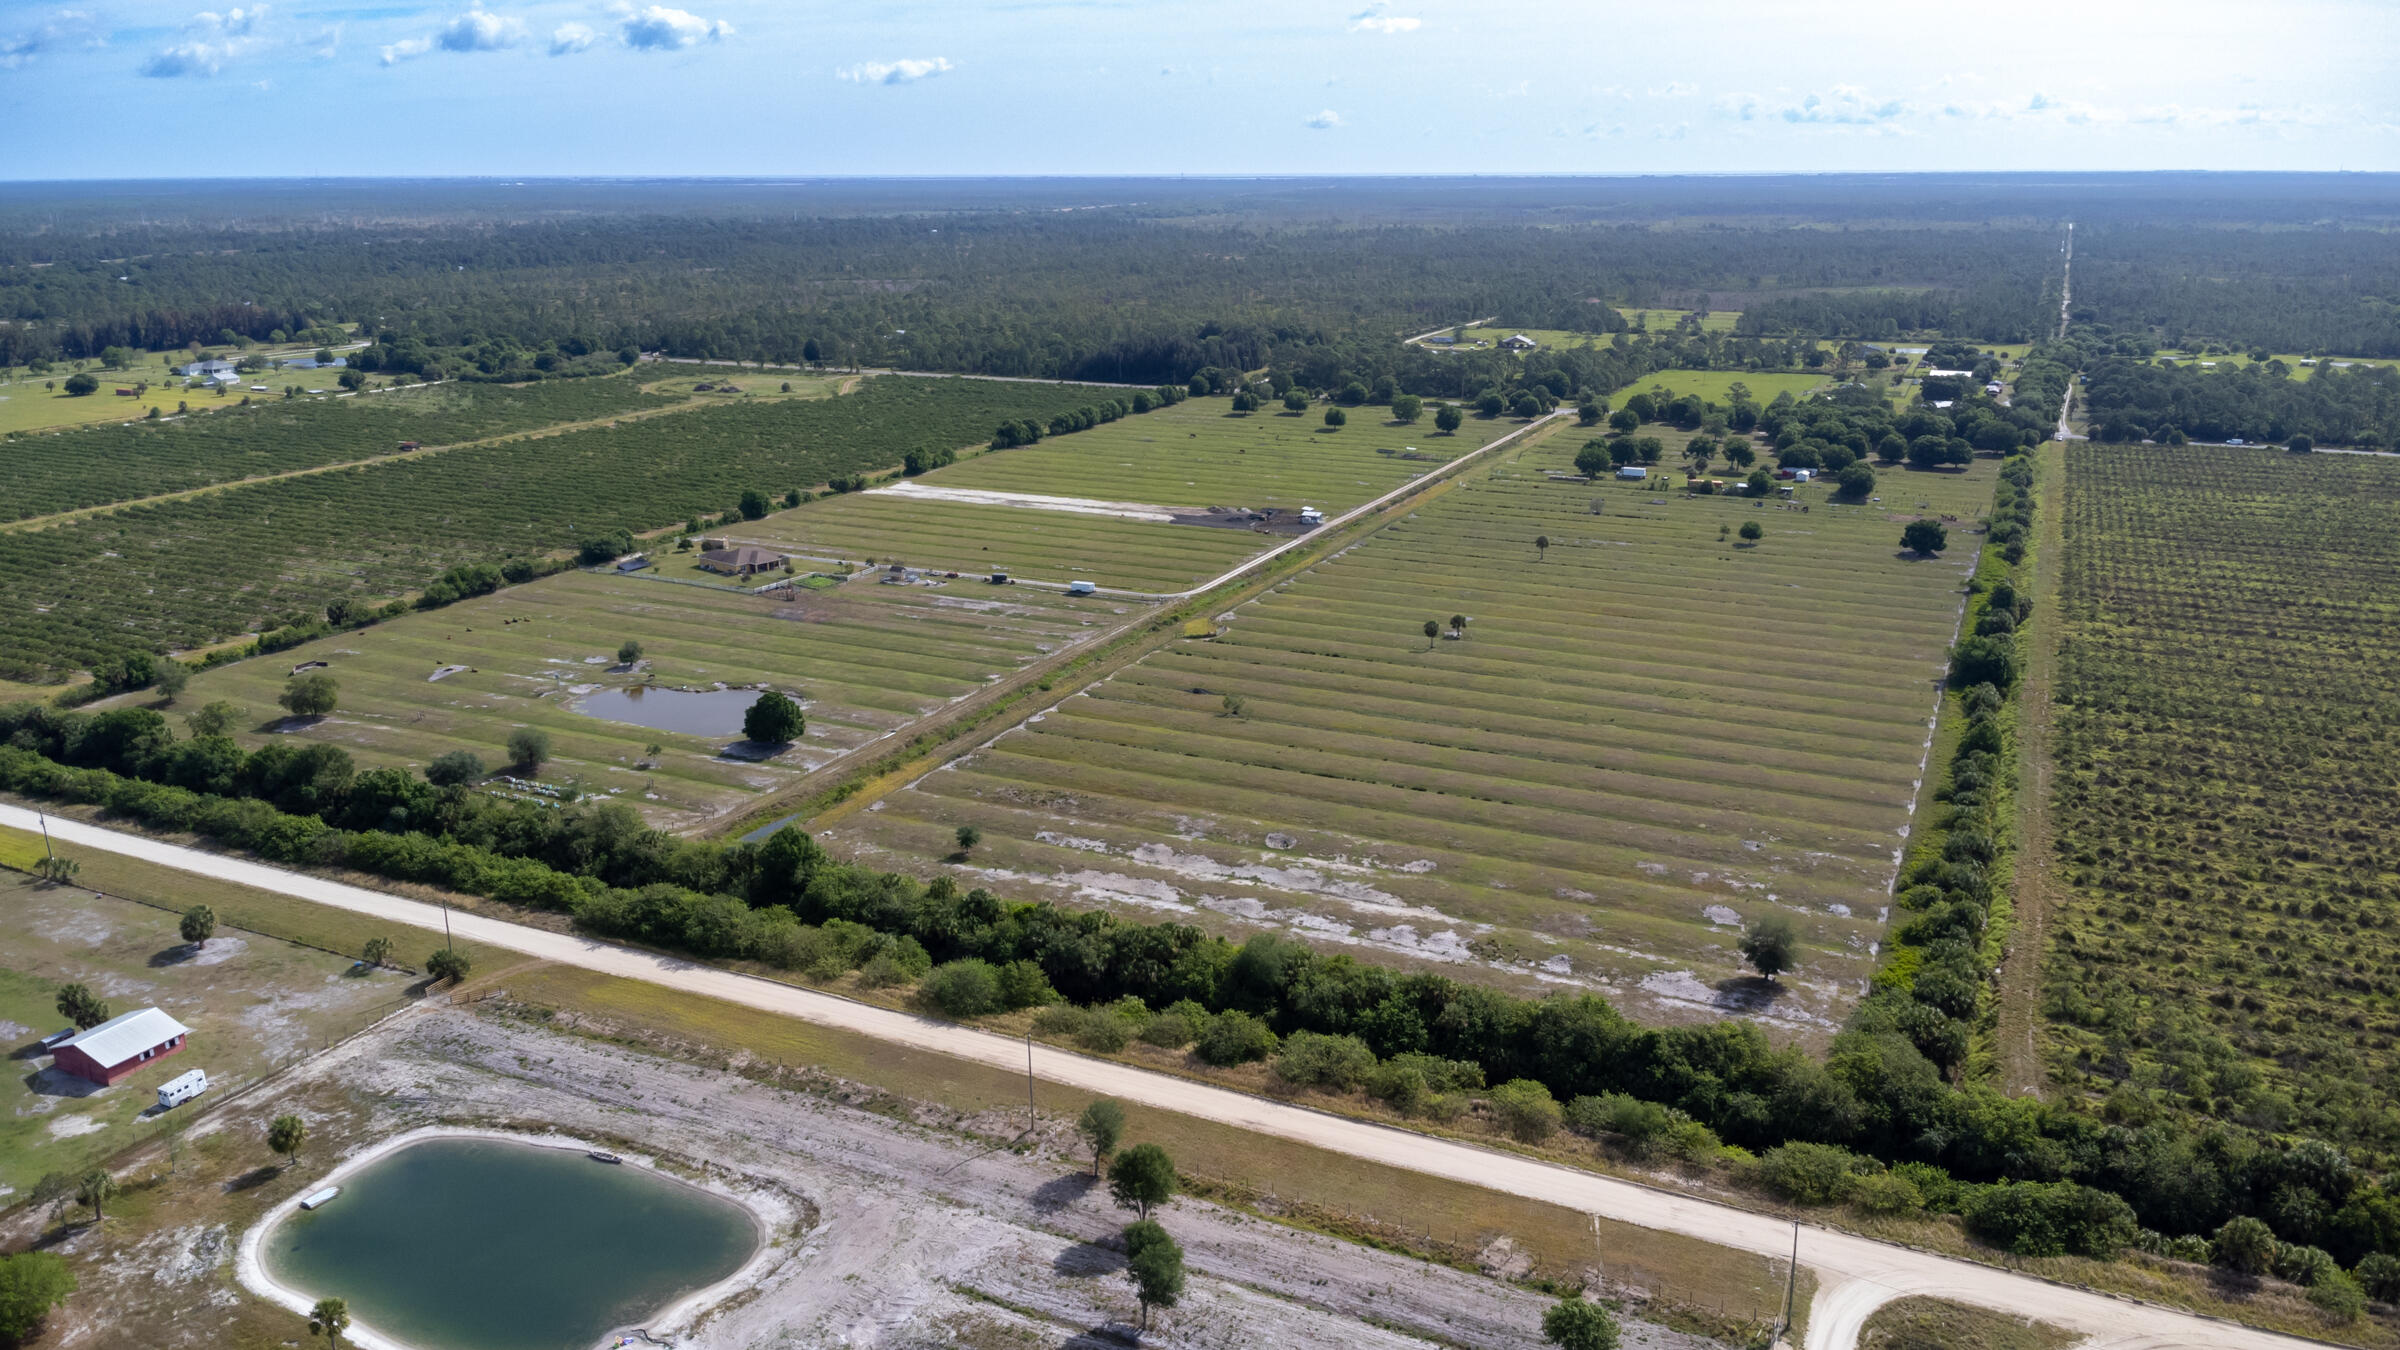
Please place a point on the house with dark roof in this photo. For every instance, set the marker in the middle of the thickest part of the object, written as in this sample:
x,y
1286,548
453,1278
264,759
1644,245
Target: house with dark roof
x,y
747,560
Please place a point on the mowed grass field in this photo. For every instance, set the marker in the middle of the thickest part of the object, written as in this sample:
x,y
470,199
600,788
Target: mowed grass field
x,y
1716,386
1666,320
865,658
1647,736
1195,455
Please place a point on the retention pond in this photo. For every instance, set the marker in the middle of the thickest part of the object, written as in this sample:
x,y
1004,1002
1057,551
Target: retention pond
x,y
693,712
486,1244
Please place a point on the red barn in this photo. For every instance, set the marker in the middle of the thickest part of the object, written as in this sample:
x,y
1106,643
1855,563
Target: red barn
x,y
108,1052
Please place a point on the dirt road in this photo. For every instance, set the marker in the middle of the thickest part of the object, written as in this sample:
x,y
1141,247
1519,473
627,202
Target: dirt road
x,y
1862,1273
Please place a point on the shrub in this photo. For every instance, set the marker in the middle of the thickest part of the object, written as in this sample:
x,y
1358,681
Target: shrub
x,y
1887,1193
883,971
31,1285
2338,1297
1023,985
528,748
2056,1218
1234,1038
1525,1109
968,988
454,768
1810,1174
1174,1028
1333,1063
2245,1245
1399,1087
1641,1125
2304,1265
2379,1274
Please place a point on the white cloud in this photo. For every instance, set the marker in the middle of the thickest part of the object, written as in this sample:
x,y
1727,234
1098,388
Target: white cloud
x,y
568,38
905,71
1740,107
478,30
1376,18
661,29
1326,120
406,49
213,40
63,30
1844,105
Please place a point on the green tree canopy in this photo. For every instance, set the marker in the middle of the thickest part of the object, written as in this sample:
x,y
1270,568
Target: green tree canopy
x,y
774,719
1574,1323
32,1285
311,695
1142,1178
1771,945
1102,1126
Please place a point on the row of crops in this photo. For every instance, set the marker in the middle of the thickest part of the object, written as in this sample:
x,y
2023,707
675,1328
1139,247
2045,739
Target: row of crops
x,y
222,440
2228,787
182,573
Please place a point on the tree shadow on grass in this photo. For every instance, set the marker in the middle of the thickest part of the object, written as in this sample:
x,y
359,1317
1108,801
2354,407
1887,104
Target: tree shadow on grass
x,y
1061,1192
252,1179
1111,1335
175,955
1086,1260
1747,995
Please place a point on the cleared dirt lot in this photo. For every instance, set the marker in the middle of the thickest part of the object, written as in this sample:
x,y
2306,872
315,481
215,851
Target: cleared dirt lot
x,y
904,1224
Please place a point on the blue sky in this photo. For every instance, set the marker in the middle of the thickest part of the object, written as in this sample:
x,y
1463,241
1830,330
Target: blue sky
x,y
168,88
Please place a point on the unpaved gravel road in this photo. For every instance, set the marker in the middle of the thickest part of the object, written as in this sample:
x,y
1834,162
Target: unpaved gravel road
x,y
1871,1272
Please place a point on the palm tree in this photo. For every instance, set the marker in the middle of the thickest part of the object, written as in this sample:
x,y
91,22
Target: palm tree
x,y
95,1189
329,1319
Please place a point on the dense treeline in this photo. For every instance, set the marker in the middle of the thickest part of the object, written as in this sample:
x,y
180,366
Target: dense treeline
x,y
2312,292
2265,403
2009,308
785,902
1101,296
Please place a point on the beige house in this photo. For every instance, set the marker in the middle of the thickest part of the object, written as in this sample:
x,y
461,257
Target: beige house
x,y
744,561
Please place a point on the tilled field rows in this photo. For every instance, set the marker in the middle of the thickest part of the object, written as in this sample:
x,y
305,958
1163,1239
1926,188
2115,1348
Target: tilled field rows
x,y
1647,734
866,659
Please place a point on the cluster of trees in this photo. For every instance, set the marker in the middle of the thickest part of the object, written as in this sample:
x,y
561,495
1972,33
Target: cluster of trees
x,y
779,900
500,359
2133,400
1028,431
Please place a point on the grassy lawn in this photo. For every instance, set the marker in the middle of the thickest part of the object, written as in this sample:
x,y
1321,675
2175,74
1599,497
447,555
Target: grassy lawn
x,y
866,659
1190,457
1716,385
254,1003
1594,785
1936,1324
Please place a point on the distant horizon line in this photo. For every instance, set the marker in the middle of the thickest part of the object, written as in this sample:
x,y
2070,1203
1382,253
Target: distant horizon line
x,y
507,179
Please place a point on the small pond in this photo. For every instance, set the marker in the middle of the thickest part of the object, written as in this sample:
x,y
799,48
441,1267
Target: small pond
x,y
703,712
483,1244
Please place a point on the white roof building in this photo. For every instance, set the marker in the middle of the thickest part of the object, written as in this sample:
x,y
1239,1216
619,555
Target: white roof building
x,y
1950,374
122,1037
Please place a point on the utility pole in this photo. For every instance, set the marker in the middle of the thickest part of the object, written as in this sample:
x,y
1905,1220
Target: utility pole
x,y
1791,1280
47,851
1029,1081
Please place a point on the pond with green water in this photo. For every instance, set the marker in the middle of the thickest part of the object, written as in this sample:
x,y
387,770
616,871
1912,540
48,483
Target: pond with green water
x,y
485,1244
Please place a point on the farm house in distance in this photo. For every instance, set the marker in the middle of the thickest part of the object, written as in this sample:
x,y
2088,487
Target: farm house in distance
x,y
108,1052
741,562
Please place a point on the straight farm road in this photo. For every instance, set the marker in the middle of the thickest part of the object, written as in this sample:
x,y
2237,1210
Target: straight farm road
x,y
1855,1274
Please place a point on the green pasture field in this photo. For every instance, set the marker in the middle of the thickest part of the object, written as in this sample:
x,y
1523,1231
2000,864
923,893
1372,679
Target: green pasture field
x,y
1192,456
252,1003
1716,385
865,658
1666,320
2223,798
977,540
28,404
1200,453
1648,733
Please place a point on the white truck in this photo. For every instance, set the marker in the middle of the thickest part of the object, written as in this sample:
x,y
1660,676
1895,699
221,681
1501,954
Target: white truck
x,y
182,1088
